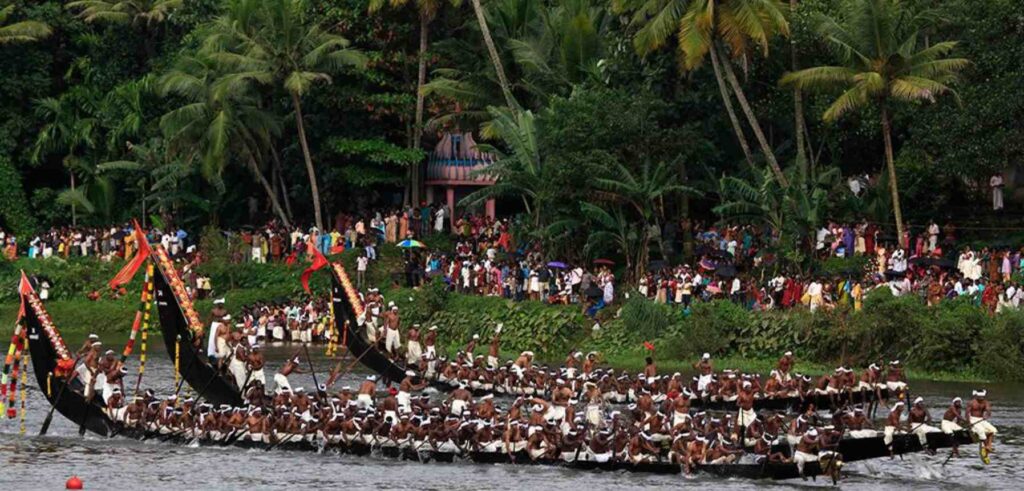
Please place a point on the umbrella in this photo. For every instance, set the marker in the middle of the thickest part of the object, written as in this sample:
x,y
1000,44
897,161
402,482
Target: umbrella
x,y
606,262
410,243
557,265
707,264
726,271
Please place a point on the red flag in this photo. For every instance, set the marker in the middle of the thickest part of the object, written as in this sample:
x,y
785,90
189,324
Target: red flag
x,y
128,271
319,261
649,346
24,288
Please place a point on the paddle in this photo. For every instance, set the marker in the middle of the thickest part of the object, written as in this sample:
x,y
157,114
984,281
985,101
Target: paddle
x,y
187,368
67,381
312,371
88,402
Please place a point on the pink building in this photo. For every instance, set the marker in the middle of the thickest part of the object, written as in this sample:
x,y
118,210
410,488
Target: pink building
x,y
456,167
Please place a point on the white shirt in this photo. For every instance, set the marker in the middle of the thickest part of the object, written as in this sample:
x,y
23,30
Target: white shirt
x,y
361,263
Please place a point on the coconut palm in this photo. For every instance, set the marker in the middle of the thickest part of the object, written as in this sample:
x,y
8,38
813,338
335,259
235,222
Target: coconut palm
x,y
881,63
492,51
143,15
20,32
69,130
215,125
427,10
740,26
278,43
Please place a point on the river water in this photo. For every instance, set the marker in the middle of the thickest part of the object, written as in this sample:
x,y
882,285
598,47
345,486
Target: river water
x,y
31,462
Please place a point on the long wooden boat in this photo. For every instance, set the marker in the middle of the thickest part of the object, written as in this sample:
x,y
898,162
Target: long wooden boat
x,y
179,324
54,367
348,310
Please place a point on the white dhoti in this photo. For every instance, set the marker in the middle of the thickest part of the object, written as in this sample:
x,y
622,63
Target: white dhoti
x,y
703,381
982,428
555,412
492,361
949,427
746,417
222,348
922,431
889,432
679,417
458,407
260,376
282,381
801,458
392,341
364,401
865,433
278,333
599,457
594,415
101,386
896,386
371,332
404,401
431,352
413,353
237,369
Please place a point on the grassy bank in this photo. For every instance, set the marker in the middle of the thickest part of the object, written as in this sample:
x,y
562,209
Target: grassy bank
x,y
954,341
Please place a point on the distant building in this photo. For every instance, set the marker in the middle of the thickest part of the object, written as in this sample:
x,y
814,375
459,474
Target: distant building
x,y
455,168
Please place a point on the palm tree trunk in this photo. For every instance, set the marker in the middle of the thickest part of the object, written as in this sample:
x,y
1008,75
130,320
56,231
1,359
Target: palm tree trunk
x,y
752,120
798,103
417,131
279,177
271,194
891,165
736,128
495,59
74,210
313,188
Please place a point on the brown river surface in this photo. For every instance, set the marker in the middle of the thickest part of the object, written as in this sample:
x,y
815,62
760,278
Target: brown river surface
x,y
30,462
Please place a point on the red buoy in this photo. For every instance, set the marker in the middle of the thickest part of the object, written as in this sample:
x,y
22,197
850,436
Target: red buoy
x,y
12,413
74,483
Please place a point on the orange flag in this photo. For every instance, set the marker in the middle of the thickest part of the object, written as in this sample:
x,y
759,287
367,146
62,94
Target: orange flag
x,y
128,271
24,288
319,261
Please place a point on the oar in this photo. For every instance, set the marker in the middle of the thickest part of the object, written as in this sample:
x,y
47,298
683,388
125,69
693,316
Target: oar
x,y
187,367
67,381
88,401
312,371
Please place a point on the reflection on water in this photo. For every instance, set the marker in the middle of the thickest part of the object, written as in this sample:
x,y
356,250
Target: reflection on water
x,y
45,463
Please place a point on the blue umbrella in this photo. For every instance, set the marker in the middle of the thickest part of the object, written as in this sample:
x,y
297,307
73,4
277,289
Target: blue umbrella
x,y
557,264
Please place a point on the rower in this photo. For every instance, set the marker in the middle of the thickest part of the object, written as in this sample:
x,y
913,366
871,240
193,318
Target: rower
x,y
493,349
895,379
650,369
745,402
405,389
918,418
366,391
979,411
806,450
571,360
705,368
892,424
589,364
413,351
784,366
951,421
763,450
460,400
858,425
290,366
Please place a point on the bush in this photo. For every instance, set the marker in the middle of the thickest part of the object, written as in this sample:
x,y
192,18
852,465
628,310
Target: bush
x,y
711,327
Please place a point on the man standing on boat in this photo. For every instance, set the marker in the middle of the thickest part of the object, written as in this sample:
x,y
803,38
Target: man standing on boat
x,y
413,350
217,314
392,339
979,411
